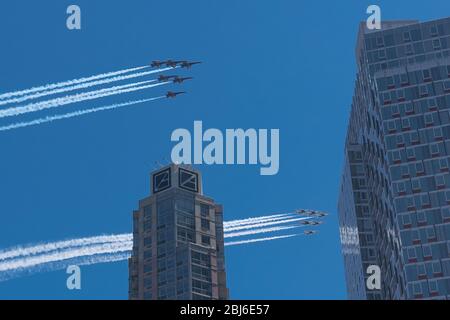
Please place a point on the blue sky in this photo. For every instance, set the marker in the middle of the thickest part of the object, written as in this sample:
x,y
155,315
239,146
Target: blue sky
x,y
267,64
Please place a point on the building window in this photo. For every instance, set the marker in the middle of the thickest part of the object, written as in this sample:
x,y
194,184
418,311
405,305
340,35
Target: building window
x,y
380,42
419,169
404,79
434,31
401,95
447,86
396,157
421,218
412,257
405,171
434,149
147,241
147,212
446,216
206,240
409,108
437,269
425,200
406,124
204,210
423,91
431,234
205,224
410,154
417,290
406,220
414,136
427,254
440,181
395,111
437,44
443,165
428,119
415,185
438,135
426,74
432,104
409,50
406,36
433,286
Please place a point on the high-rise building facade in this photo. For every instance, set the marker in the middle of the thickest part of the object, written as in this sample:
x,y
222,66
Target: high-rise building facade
x,y
178,241
394,203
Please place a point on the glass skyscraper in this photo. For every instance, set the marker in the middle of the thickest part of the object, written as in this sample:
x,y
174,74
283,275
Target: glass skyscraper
x,y
394,203
178,249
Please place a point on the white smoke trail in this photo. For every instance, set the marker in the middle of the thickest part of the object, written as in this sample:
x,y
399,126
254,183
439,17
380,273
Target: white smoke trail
x,y
73,114
264,224
235,243
96,258
63,264
81,86
30,261
256,219
257,231
68,83
48,247
91,95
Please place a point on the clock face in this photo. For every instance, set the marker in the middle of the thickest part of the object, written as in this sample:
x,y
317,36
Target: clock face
x,y
161,181
188,180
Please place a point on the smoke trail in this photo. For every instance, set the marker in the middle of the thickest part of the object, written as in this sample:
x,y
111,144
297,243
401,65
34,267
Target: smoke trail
x,y
43,248
91,95
73,114
257,231
85,256
81,86
265,224
235,243
255,219
63,264
30,261
68,83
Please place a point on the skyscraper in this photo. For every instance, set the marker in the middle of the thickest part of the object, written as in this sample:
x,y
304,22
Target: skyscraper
x,y
394,203
178,240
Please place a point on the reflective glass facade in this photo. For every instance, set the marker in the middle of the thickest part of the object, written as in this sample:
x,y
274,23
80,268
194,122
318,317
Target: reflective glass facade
x,y
397,163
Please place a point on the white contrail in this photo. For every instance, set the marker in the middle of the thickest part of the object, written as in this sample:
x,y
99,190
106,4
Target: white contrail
x,y
68,83
255,219
48,247
30,261
97,257
234,243
81,86
91,95
257,231
63,264
60,245
264,224
73,114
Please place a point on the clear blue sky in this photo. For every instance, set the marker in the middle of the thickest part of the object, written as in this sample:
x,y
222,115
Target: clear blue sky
x,y
268,64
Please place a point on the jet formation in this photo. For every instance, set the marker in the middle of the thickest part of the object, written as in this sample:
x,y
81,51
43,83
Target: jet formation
x,y
173,78
314,220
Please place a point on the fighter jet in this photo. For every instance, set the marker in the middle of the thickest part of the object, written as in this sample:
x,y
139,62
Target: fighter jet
x,y
310,223
180,80
309,232
188,65
157,63
163,78
171,94
172,63
320,214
